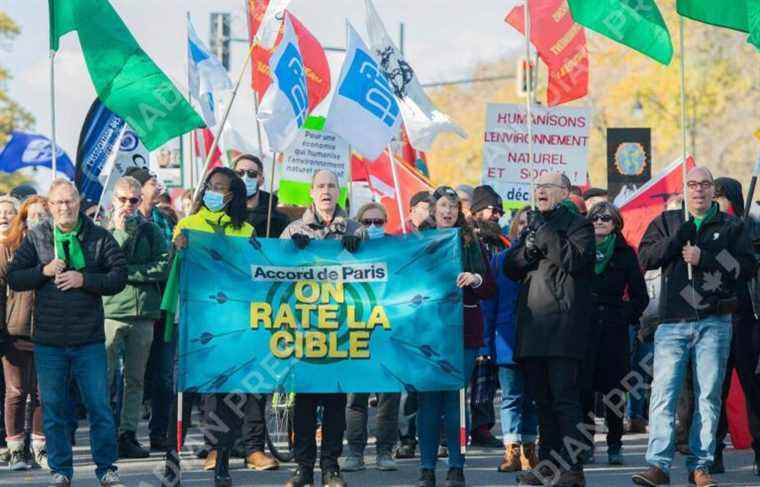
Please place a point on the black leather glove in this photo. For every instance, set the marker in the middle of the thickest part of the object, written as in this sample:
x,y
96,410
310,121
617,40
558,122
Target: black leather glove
x,y
531,249
351,243
300,240
687,232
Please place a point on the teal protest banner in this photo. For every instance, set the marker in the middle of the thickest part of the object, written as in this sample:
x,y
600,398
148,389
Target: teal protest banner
x,y
261,316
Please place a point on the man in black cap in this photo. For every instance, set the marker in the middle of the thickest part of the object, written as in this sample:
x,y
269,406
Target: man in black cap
x,y
419,210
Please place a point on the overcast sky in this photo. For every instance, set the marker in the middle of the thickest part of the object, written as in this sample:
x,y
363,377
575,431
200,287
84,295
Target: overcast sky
x,y
444,40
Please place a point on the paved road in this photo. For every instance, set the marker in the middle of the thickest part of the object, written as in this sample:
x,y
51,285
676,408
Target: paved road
x,y
481,470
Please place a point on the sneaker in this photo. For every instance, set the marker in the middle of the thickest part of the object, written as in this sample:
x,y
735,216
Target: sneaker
x,y
386,463
17,461
40,459
701,478
427,478
651,477
129,446
614,456
59,480
301,478
406,450
5,454
332,478
353,464
455,478
111,479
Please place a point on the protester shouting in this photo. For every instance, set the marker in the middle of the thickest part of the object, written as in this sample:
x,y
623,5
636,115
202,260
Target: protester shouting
x,y
519,424
373,218
323,220
131,313
616,275
220,207
477,283
251,170
18,361
695,321
70,264
554,262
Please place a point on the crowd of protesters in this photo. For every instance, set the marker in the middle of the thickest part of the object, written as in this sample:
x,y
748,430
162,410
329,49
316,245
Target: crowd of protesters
x,y
557,315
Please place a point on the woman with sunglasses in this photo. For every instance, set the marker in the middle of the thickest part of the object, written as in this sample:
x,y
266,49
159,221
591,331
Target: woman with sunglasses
x,y
477,283
221,204
617,272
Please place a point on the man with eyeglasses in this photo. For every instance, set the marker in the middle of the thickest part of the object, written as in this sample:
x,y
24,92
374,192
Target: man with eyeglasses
x,y
554,261
702,258
71,263
131,313
251,171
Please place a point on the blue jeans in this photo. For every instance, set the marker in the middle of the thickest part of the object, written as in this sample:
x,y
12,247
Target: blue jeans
x,y
431,407
707,342
636,408
519,423
87,365
159,384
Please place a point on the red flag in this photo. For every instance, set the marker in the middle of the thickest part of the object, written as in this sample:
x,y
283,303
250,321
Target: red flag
x,y
561,44
651,199
315,61
380,179
202,146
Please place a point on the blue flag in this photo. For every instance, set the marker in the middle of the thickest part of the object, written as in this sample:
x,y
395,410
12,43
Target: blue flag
x,y
30,150
260,316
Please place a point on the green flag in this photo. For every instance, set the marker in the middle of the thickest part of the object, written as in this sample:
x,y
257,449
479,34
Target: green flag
x,y
741,15
127,81
636,23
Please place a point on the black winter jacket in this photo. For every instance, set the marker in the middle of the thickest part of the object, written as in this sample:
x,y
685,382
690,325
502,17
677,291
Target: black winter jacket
x,y
258,217
725,256
622,273
74,317
555,299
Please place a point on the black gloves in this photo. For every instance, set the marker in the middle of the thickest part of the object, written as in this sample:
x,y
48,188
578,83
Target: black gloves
x,y
531,249
687,232
351,243
300,240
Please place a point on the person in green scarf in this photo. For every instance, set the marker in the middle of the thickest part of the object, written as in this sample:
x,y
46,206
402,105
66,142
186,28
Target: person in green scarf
x,y
619,296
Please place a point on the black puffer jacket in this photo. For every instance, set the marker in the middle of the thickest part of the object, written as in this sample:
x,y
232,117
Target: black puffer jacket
x,y
74,317
726,260
555,298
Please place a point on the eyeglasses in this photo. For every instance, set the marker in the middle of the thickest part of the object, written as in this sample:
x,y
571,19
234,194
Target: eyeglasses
x,y
373,221
692,185
549,186
251,173
124,200
601,218
59,203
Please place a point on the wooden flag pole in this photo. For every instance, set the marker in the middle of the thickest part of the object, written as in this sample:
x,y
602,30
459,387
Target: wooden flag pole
x,y
529,98
690,270
54,165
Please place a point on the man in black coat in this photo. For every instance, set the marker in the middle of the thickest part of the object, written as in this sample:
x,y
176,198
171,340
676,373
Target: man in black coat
x,y
703,259
251,171
554,261
70,264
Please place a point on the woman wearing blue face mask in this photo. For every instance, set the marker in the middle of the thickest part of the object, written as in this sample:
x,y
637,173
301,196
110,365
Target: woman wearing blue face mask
x,y
373,217
221,203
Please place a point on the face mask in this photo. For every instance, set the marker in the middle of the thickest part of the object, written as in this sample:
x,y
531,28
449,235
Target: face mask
x,y
214,201
375,231
251,186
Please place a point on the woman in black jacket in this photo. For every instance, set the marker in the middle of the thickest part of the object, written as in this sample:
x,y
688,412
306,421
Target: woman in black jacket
x,y
619,296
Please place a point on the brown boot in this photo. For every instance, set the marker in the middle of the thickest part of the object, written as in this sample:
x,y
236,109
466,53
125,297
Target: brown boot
x,y
528,456
543,475
651,477
701,478
260,461
511,460
210,462
571,478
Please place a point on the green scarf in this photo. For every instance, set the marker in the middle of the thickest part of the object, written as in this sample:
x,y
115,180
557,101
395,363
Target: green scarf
x,y
472,257
75,246
604,251
699,220
568,203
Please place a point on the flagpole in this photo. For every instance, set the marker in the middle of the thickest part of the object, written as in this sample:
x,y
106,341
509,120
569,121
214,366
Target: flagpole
x,y
397,188
529,99
683,127
271,194
227,109
190,97
54,165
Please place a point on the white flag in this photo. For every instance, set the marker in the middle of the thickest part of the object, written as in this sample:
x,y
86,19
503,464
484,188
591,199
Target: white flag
x,y
363,111
422,120
271,22
206,75
285,104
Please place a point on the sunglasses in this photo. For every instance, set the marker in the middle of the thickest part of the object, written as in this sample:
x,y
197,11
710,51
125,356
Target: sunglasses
x,y
124,200
252,173
373,221
601,218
